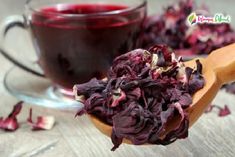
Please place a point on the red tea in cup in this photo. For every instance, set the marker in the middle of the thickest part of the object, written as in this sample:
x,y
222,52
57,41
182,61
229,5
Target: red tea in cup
x,y
76,42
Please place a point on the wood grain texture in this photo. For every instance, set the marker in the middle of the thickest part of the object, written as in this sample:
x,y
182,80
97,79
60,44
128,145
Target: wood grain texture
x,y
211,136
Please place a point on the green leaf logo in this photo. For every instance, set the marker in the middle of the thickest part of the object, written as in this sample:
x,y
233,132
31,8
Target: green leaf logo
x,y
192,18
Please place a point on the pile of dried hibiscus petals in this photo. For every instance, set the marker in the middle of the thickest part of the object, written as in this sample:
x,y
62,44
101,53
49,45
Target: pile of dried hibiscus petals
x,y
172,29
144,90
11,123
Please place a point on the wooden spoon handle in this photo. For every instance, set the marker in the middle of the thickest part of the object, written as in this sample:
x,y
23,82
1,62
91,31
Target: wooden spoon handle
x,y
222,61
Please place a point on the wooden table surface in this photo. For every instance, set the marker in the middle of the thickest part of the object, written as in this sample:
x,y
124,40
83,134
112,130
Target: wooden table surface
x,y
71,137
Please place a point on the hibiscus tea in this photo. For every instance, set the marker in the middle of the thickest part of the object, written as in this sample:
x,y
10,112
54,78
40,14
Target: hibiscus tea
x,y
76,42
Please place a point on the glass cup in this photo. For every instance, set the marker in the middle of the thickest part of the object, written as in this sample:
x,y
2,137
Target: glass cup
x,y
77,40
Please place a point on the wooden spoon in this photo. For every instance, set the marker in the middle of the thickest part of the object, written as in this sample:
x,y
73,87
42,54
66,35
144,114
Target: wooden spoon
x,y
218,69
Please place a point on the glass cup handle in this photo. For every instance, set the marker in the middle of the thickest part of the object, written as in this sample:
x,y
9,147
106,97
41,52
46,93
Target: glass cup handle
x,y
9,23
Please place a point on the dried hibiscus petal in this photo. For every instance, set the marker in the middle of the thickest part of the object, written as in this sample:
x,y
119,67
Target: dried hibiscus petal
x,y
223,111
42,123
144,90
11,123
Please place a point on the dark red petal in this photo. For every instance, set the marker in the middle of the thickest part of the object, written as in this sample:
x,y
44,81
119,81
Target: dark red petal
x,y
42,123
11,123
224,111
16,110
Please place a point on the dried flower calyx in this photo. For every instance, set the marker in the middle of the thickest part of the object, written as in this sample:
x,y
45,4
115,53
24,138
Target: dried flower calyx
x,y
11,123
143,91
42,123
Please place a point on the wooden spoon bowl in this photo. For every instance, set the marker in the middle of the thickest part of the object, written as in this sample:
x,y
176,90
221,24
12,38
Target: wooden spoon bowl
x,y
218,69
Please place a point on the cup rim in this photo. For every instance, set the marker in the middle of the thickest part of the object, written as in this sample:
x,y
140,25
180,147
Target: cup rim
x,y
107,13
